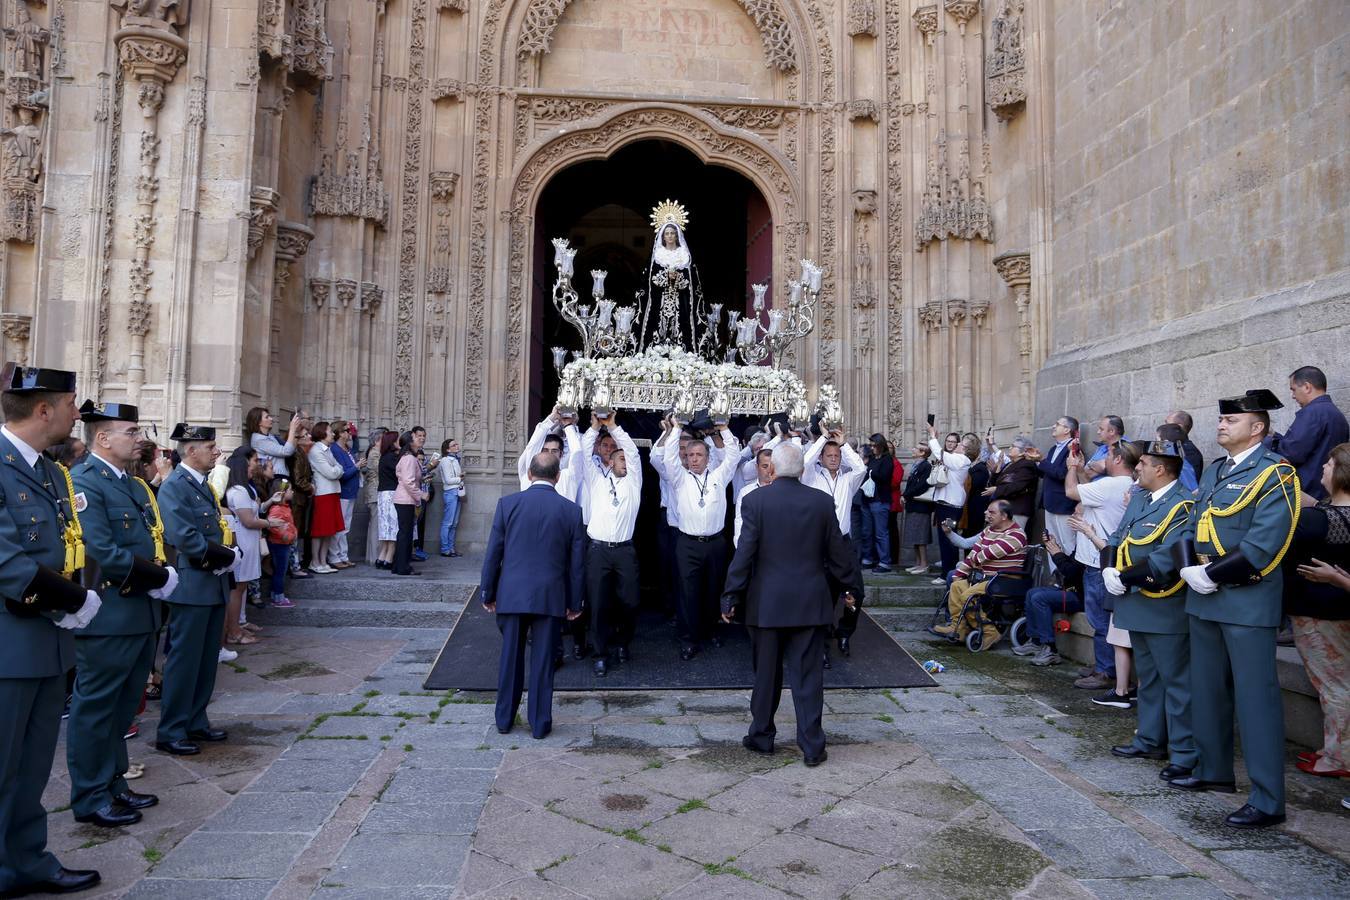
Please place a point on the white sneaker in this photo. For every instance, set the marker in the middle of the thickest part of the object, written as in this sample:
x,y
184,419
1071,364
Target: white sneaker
x,y
227,655
323,570
917,570
940,582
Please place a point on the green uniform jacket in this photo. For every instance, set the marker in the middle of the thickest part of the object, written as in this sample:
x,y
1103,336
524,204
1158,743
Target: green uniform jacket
x,y
1157,572
31,509
1261,531
191,524
116,515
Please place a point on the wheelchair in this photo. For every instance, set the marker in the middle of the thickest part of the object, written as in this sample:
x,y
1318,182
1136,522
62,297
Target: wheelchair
x,y
1001,605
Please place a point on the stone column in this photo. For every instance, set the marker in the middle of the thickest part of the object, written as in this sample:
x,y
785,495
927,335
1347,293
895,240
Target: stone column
x,y
150,54
1015,268
961,392
16,328
932,317
292,242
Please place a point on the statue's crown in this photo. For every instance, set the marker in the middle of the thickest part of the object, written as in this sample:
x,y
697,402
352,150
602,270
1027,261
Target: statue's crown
x,y
669,212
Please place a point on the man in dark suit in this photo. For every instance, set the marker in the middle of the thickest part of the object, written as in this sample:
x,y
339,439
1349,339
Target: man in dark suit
x,y
532,578
1054,468
790,565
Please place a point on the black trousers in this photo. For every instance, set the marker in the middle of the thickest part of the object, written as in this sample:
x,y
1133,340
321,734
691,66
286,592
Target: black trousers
x,y
407,514
421,541
801,650
611,595
667,537
542,632
702,567
950,553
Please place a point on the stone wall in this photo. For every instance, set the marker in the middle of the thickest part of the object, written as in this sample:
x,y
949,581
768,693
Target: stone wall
x,y
1200,210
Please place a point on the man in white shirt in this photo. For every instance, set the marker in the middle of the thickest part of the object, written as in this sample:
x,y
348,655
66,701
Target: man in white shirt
x,y
614,496
748,467
763,478
1101,507
824,463
545,439
699,497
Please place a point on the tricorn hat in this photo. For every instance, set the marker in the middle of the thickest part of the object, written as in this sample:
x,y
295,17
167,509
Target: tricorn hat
x,y
108,412
1259,400
185,432
1160,448
17,379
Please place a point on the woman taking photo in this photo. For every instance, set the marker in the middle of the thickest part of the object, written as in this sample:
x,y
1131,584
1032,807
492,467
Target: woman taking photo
x,y
325,519
918,529
242,499
258,433
408,495
386,514
951,465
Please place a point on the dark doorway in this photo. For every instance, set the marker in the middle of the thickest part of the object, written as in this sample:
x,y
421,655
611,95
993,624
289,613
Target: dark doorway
x,y
604,206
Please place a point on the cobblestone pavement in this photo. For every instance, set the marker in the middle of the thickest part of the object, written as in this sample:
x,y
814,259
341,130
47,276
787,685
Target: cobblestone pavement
x,y
342,778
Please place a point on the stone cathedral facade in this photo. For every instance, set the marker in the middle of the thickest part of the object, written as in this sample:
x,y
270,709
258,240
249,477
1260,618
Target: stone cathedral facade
x,y
1023,207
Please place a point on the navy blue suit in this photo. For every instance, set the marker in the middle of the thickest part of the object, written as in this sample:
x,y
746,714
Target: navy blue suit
x,y
1053,498
533,572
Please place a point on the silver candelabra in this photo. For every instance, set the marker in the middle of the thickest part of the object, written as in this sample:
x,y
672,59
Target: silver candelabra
x,y
606,328
768,334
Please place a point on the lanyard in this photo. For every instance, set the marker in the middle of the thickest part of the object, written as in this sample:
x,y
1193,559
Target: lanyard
x,y
702,486
613,492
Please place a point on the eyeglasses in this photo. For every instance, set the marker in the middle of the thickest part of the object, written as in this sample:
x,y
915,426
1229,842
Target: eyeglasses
x,y
129,432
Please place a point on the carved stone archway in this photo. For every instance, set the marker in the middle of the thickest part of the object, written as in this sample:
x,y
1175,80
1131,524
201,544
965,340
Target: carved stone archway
x,y
599,138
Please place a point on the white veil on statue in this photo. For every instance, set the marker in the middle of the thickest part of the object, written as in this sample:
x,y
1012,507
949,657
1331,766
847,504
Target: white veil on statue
x,y
670,257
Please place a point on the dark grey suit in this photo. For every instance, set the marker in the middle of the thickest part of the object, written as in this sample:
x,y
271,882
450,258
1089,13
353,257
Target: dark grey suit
x,y
790,566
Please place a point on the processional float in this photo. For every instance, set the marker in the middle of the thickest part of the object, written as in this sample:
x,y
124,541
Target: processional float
x,y
672,351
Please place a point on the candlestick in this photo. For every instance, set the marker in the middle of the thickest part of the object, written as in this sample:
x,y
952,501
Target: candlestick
x,y
598,282
605,310
623,319
759,290
794,293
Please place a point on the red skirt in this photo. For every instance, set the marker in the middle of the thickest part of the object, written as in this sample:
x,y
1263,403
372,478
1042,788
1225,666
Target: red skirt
x,y
326,519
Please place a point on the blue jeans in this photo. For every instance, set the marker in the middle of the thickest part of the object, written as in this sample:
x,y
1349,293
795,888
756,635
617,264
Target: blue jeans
x,y
449,520
280,555
879,511
1041,606
862,531
1094,603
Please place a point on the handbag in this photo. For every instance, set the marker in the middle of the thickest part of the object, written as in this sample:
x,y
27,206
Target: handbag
x,y
869,487
930,495
938,476
286,532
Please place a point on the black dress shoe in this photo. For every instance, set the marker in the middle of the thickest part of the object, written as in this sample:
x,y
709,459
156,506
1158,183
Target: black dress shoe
x,y
601,668
623,654
750,745
715,641
132,800
844,647
579,652
1191,783
1170,771
65,881
543,734
110,816
178,748
813,761
211,735
827,664
688,653
1251,817
506,730
1130,751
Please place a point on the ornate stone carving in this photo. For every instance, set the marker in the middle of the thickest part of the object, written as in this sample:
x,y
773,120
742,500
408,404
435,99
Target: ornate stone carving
x,y
448,89
372,295
962,11
932,315
957,311
353,193
262,215
946,210
751,118
20,172
926,20
292,240
564,109
1005,65
16,329
863,109
541,19
165,13
410,217
1015,269
24,67
312,52
347,291
319,291
196,105
452,5
895,32
442,192
862,17
864,296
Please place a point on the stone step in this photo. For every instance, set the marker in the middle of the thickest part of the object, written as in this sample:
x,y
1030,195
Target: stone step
x,y
338,613
903,595
901,618
383,587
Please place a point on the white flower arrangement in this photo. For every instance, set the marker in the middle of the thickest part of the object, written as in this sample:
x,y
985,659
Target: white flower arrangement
x,y
673,366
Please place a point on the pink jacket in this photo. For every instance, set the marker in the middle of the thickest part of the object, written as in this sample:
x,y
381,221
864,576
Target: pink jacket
x,y
409,491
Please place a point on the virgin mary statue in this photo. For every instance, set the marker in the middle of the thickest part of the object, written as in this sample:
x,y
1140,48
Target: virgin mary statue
x,y
674,292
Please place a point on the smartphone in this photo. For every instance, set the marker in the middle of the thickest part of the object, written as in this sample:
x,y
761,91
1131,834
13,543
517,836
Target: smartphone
x,y
1075,447
932,420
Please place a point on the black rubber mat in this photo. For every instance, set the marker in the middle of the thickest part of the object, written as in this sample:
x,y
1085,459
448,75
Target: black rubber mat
x,y
469,660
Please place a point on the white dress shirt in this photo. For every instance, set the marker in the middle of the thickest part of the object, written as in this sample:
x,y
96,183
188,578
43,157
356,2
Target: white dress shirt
x,y
1155,496
567,485
1234,461
118,469
613,501
700,501
842,486
740,498
29,455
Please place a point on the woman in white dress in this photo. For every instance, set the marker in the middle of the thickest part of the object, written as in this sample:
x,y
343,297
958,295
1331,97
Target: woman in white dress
x,y
241,498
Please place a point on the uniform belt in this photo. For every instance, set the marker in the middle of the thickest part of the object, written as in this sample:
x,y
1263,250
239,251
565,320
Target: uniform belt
x,y
1204,558
627,543
701,538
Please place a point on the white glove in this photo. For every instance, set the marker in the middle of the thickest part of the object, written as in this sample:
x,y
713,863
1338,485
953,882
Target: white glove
x,y
1199,580
84,615
1114,585
162,593
238,556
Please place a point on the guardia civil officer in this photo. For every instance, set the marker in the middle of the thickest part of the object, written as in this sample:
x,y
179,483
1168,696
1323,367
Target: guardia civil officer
x,y
1244,517
40,559
125,562
1137,568
194,523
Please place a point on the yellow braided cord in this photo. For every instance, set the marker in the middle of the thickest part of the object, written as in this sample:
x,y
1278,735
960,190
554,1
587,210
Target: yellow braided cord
x,y
156,530
74,534
1167,525
227,536
1254,492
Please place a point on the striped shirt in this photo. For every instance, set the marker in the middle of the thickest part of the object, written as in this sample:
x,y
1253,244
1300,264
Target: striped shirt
x,y
995,552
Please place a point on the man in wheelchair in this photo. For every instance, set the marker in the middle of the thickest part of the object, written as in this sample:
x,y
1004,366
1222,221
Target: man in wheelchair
x,y
999,550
